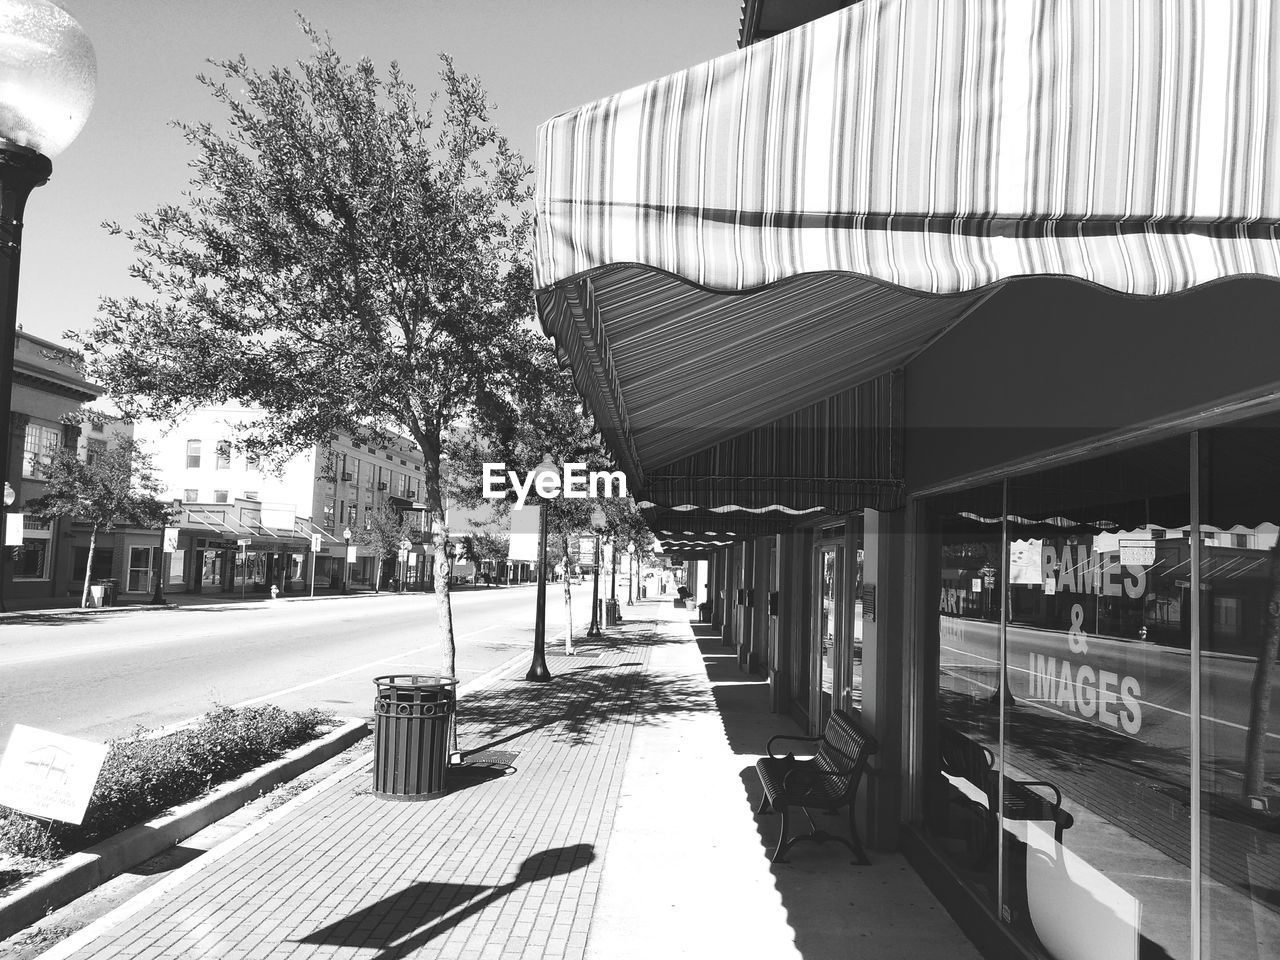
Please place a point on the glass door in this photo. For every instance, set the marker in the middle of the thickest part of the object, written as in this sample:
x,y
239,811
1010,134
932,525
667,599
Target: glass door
x,y
829,561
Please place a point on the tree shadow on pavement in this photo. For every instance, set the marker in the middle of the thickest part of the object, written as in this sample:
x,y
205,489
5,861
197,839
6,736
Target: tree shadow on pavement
x,y
398,925
580,701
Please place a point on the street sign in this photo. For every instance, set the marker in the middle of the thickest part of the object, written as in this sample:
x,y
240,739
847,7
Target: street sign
x,y
13,530
315,543
244,541
49,775
351,553
170,539
405,545
404,555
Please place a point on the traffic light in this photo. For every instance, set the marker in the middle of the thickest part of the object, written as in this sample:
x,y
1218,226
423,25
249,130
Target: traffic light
x,y
468,548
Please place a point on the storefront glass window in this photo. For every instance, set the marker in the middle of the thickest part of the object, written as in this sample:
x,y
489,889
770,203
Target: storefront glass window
x,y
1240,690
139,570
1064,685
1098,707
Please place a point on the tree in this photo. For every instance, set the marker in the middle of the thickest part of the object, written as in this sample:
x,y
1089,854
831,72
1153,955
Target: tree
x,y
343,262
118,487
386,529
489,544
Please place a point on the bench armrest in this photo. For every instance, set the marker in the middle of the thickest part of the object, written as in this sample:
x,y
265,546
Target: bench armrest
x,y
783,736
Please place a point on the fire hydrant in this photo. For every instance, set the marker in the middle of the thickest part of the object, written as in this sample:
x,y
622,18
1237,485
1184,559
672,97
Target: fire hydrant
x,y
275,591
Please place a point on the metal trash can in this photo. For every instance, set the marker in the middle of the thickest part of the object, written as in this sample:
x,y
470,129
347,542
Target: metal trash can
x,y
411,719
612,616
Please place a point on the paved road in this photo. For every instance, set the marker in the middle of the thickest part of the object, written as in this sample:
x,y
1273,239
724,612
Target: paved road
x,y
102,677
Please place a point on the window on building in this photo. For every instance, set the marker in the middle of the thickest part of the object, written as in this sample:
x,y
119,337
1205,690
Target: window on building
x,y
94,449
252,461
31,560
97,427
251,494
193,454
220,496
223,460
38,448
351,514
191,495
329,515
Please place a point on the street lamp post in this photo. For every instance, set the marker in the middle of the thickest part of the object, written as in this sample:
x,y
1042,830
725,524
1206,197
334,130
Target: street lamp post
x,y
47,78
346,558
613,579
598,521
538,671
632,563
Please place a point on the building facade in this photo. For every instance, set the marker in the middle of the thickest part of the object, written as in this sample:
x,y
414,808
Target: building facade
x,y
246,525
46,561
939,339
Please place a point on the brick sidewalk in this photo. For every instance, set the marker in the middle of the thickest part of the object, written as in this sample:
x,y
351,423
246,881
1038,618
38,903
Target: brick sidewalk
x,y
517,861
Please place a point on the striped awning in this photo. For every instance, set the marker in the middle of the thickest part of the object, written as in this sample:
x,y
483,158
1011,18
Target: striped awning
x,y
727,245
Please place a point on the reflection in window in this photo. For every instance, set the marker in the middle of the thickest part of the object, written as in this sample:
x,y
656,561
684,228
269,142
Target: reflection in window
x,y
1240,690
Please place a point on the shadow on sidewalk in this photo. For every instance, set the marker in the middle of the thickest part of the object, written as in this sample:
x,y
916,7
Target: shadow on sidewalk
x,y
399,924
582,696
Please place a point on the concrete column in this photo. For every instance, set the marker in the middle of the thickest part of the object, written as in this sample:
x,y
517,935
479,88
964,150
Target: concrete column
x,y
882,659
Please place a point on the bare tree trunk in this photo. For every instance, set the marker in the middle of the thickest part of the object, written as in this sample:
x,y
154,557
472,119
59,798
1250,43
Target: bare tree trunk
x,y
1255,760
444,609
568,599
93,542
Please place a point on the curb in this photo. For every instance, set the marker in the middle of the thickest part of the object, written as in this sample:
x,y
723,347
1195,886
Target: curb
x,y
88,869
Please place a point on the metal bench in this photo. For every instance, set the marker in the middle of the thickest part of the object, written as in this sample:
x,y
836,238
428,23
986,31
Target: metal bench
x,y
969,767
827,781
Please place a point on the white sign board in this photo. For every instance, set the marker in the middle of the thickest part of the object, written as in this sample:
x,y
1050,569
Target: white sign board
x,y
1137,553
524,534
244,541
413,560
13,529
351,553
976,585
404,554
277,515
170,539
48,775
315,543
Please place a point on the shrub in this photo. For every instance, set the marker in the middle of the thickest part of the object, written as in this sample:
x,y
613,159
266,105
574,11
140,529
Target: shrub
x,y
142,777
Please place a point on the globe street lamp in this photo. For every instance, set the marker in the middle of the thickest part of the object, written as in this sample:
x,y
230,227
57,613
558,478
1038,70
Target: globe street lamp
x,y
346,558
538,671
632,564
598,522
47,77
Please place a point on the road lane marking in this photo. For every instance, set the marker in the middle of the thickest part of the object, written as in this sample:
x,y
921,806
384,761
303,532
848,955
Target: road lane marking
x,y
169,728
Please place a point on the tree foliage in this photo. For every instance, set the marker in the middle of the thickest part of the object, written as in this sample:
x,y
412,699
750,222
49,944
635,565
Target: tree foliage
x,y
343,261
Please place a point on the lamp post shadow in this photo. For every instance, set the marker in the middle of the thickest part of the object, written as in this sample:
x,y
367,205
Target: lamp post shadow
x,y
409,919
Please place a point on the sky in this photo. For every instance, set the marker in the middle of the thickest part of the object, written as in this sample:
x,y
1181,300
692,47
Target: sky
x,y
537,58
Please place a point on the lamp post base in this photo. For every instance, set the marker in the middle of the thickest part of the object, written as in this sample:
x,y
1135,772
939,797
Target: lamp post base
x,y
538,673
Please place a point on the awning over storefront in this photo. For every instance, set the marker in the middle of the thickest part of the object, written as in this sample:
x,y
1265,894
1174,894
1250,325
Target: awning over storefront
x,y
725,247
